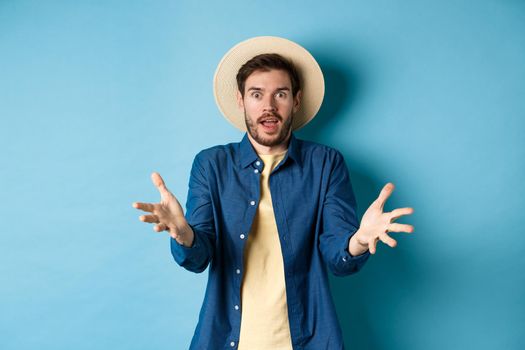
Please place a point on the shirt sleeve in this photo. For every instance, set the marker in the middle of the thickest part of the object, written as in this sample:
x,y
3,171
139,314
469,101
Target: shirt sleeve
x,y
199,214
340,222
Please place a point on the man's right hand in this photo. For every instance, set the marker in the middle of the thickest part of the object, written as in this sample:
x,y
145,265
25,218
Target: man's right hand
x,y
167,215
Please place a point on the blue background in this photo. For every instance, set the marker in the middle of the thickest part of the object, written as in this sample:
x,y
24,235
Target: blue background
x,y
96,95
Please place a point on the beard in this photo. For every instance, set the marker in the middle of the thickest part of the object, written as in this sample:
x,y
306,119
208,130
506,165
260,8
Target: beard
x,y
274,140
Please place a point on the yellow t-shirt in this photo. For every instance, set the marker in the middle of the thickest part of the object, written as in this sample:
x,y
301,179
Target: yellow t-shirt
x,y
264,318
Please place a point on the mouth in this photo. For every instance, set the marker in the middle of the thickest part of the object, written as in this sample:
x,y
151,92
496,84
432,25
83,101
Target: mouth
x,y
269,123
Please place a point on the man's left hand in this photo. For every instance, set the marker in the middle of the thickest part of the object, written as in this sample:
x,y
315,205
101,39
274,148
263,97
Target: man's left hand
x,y
375,225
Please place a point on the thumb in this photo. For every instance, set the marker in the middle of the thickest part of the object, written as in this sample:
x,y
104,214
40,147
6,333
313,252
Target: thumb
x,y
161,186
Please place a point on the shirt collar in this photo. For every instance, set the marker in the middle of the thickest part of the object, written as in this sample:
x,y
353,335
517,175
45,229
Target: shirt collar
x,y
248,154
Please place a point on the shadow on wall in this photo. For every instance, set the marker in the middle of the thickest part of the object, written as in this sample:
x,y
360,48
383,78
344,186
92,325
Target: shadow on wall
x,y
367,300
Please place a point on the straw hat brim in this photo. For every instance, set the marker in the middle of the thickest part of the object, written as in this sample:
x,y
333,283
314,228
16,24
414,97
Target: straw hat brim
x,y
311,76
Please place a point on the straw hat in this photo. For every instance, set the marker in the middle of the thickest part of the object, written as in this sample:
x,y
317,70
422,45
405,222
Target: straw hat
x,y
311,77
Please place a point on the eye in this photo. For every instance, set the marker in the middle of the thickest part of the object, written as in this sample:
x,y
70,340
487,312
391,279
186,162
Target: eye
x,y
256,94
281,94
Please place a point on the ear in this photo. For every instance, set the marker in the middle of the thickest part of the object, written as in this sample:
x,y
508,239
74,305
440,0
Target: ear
x,y
240,102
297,101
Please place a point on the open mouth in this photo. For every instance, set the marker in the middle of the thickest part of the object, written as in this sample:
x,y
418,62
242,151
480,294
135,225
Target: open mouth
x,y
269,124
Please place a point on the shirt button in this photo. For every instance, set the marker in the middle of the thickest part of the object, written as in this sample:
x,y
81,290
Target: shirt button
x,y
344,258
257,163
238,271
252,203
232,344
256,171
236,307
242,236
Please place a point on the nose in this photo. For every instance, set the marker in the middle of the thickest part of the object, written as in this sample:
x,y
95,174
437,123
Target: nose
x,y
269,104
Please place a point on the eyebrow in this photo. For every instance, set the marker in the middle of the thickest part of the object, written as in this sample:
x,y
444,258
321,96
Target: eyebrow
x,y
255,88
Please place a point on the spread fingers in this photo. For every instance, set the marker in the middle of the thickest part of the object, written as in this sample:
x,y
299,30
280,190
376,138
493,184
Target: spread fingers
x,y
149,218
160,227
388,240
400,228
144,206
396,213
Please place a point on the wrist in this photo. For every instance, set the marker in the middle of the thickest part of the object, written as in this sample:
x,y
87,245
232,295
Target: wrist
x,y
355,247
183,234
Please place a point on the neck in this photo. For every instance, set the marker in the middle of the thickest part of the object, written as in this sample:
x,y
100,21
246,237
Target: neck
x,y
271,150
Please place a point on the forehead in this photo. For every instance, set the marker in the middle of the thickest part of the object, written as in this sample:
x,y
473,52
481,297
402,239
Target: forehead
x,y
269,78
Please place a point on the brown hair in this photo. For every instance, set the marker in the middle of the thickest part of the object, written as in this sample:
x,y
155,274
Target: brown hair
x,y
265,62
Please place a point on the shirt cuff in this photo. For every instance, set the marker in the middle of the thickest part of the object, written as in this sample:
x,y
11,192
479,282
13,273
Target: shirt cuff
x,y
347,256
182,253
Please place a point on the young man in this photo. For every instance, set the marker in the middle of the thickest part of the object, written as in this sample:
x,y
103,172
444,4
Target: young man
x,y
271,213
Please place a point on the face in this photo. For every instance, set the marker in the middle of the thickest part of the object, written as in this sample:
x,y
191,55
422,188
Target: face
x,y
269,106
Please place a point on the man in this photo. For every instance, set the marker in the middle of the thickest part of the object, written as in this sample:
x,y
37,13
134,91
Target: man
x,y
271,213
